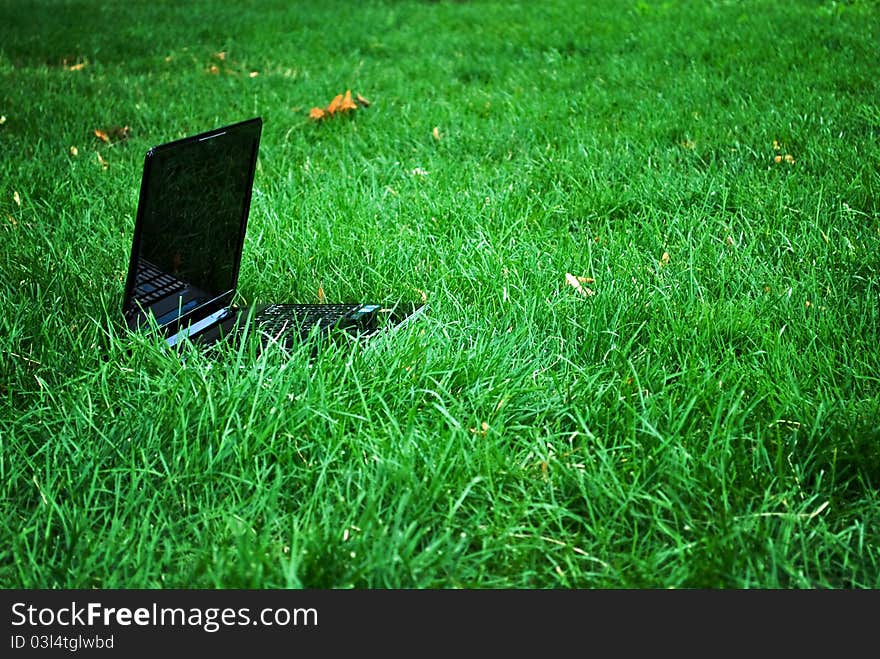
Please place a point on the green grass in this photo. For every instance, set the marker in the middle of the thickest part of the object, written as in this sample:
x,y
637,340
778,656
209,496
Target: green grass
x,y
710,418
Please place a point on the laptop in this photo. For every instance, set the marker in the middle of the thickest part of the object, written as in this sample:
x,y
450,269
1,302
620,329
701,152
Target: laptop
x,y
186,252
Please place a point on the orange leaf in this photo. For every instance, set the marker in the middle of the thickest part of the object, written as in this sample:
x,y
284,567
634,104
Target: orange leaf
x,y
363,101
321,297
316,114
347,103
101,135
335,104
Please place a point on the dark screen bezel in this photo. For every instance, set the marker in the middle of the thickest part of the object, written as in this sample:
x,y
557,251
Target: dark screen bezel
x,y
250,126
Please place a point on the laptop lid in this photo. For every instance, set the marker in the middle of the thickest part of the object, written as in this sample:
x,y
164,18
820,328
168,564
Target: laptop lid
x,y
189,232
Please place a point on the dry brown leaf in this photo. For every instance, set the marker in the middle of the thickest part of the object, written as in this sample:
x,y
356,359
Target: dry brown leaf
x,y
347,104
484,429
120,133
575,282
102,135
341,104
335,104
363,101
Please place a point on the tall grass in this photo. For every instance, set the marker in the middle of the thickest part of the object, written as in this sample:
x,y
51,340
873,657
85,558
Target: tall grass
x,y
707,414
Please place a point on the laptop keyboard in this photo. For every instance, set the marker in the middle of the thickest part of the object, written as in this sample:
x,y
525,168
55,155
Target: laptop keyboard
x,y
276,320
152,284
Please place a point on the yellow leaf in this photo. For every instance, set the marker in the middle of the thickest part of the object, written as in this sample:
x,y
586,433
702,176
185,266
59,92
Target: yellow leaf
x,y
664,260
77,67
74,151
436,133
321,297
253,74
363,101
16,198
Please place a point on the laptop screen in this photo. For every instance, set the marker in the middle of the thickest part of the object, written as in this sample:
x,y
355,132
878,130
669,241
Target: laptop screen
x,y
192,213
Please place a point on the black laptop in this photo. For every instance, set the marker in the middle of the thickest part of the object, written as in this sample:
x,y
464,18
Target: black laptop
x,y
186,252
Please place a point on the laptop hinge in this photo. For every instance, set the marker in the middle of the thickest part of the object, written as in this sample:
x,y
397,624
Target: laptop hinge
x,y
195,328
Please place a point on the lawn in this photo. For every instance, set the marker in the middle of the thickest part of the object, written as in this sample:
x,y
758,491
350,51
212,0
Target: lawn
x,y
648,234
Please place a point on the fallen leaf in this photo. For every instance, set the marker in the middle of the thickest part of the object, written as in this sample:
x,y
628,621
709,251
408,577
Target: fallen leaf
x,y
341,103
74,151
253,74
104,163
321,297
363,101
16,198
575,282
335,104
664,260
120,133
347,104
2,120
213,69
789,159
77,67
484,429
221,55
102,135
776,145
11,220
436,133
